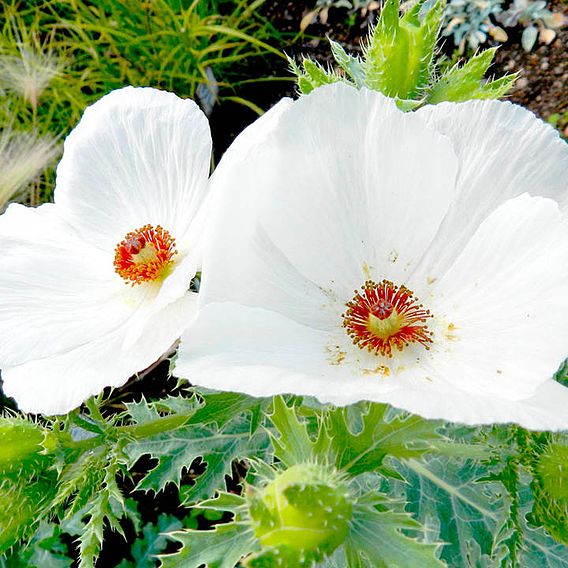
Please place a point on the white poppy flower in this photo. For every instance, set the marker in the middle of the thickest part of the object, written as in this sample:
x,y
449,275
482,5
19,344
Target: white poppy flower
x,y
362,253
94,288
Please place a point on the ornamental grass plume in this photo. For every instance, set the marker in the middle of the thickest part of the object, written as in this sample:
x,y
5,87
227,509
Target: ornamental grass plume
x,y
95,287
357,252
23,157
29,72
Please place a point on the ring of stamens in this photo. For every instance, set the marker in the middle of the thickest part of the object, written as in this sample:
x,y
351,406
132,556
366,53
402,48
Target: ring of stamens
x,y
144,255
383,317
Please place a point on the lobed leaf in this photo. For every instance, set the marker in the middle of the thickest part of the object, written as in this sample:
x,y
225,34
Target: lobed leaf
x,y
221,547
377,539
447,497
400,435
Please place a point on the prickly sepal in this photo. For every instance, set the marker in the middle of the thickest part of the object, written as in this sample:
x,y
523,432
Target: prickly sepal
x,y
465,82
550,489
399,58
303,513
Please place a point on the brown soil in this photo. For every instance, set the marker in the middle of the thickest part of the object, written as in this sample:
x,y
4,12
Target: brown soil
x,y
543,83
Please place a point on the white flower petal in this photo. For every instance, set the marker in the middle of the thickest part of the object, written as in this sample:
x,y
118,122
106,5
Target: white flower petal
x,y
506,299
58,292
341,186
262,354
544,410
57,384
503,151
137,156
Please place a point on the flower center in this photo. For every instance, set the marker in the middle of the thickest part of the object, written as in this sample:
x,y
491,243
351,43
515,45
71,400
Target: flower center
x,y
144,254
383,316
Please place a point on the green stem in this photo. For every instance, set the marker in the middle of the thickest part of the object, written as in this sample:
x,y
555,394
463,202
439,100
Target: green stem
x,y
157,426
137,431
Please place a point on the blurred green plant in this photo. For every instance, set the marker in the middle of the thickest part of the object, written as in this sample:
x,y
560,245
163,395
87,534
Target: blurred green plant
x,y
560,121
59,56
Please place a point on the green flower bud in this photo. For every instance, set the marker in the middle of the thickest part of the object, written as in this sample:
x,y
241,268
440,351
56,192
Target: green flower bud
x,y
551,491
552,470
22,444
305,509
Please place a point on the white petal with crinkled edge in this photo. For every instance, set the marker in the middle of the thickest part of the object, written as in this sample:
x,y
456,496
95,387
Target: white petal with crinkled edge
x,y
309,183
57,384
505,301
503,150
137,156
58,292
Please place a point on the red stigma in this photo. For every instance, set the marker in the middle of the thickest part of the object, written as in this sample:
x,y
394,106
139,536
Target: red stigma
x,y
383,309
135,244
144,254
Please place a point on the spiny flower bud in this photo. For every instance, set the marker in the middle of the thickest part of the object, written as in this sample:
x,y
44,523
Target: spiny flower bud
x,y
305,509
551,491
22,444
552,468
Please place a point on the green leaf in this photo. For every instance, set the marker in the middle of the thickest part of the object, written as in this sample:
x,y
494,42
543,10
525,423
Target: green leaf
x,y
462,83
106,506
177,449
220,408
377,539
195,432
542,551
294,445
44,550
400,435
152,543
80,480
222,547
223,502
446,496
399,58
